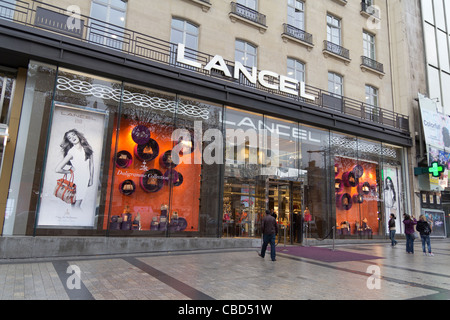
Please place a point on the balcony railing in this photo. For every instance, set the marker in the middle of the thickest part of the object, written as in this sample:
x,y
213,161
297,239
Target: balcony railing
x,y
247,13
336,49
297,33
370,63
105,35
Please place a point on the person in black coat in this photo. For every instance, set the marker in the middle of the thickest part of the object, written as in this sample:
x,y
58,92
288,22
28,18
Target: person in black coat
x,y
424,228
269,230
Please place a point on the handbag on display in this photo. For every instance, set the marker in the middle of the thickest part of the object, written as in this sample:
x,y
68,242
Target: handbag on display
x,y
66,189
115,223
128,186
148,150
154,225
136,225
126,222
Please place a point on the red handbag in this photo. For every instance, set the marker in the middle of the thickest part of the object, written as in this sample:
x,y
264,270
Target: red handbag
x,y
65,189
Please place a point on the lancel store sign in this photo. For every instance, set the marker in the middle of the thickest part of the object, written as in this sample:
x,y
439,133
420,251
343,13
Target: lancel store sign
x,y
285,84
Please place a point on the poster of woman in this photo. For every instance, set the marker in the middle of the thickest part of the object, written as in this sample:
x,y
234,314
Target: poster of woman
x,y
70,184
391,195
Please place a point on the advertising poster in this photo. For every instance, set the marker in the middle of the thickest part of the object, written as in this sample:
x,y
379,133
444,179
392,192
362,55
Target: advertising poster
x,y
75,146
436,219
435,125
391,196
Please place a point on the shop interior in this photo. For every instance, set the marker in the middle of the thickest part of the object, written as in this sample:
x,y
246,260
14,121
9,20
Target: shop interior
x,y
245,203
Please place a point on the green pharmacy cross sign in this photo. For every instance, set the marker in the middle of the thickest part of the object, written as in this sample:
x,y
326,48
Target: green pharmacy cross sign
x,y
435,169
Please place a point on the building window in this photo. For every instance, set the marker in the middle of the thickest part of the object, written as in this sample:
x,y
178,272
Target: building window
x,y
371,96
371,108
246,53
333,29
335,84
184,32
252,4
296,69
7,9
106,27
369,45
296,14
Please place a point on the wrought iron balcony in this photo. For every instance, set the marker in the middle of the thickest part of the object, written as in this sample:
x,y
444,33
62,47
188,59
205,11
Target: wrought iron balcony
x,y
297,33
336,50
247,13
372,64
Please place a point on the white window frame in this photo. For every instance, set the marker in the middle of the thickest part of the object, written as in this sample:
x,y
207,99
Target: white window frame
x,y
249,50
7,10
336,84
252,4
369,45
296,14
334,24
296,69
111,37
372,96
185,32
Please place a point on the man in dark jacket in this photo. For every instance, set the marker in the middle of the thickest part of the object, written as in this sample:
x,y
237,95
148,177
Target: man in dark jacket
x,y
269,229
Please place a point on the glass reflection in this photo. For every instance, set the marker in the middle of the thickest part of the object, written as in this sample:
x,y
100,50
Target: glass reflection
x,y
243,204
316,165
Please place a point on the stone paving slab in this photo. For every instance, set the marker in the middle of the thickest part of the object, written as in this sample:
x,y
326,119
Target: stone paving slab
x,y
233,275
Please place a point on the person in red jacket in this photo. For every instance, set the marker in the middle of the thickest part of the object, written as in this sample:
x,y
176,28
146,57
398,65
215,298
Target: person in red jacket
x,y
269,230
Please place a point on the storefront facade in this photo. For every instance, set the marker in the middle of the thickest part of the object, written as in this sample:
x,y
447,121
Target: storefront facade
x,y
165,146
114,141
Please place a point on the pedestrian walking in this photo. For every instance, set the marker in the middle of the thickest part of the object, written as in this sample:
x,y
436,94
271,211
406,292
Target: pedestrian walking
x,y
424,228
409,232
392,230
269,230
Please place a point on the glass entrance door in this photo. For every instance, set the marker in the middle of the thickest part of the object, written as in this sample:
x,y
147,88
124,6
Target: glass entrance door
x,y
284,198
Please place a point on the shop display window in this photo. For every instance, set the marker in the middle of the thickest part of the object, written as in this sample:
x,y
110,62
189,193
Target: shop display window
x,y
357,174
138,192
105,149
155,180
317,166
83,110
393,192
357,200
243,198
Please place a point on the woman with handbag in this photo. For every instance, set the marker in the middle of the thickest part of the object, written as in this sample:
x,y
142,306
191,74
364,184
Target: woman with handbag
x,y
78,158
409,232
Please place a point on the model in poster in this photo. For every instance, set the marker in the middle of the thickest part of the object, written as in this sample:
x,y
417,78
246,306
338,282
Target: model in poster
x,y
78,155
390,196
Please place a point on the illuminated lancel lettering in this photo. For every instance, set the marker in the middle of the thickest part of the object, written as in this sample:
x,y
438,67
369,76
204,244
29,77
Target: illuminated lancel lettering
x,y
285,84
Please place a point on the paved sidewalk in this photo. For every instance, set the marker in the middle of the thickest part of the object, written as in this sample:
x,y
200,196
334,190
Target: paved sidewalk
x,y
355,272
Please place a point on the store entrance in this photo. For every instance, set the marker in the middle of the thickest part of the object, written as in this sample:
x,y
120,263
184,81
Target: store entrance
x,y
285,199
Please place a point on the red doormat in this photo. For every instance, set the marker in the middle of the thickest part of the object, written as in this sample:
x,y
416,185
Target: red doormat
x,y
325,254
